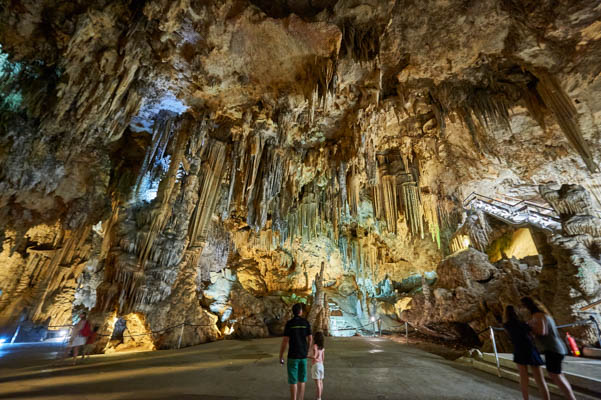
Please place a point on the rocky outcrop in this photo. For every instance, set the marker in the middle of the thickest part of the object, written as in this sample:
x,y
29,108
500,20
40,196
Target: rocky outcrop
x,y
575,281
470,295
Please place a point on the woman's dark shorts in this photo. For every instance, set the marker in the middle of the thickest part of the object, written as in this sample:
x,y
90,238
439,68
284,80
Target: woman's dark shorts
x,y
553,362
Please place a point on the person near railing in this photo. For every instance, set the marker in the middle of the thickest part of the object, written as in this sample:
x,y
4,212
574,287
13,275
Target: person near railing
x,y
525,352
79,335
543,326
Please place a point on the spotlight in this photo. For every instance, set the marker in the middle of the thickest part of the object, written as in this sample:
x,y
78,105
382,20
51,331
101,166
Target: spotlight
x,y
373,319
2,340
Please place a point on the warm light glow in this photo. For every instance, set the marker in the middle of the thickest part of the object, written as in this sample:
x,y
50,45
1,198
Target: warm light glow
x,y
228,330
466,241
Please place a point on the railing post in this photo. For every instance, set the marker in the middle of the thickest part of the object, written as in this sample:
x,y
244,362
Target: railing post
x,y
494,346
181,334
406,332
594,321
16,334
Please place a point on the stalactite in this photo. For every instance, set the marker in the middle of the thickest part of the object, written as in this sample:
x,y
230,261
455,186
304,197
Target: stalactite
x,y
166,194
354,193
479,230
431,215
562,107
161,136
211,173
568,200
322,78
360,41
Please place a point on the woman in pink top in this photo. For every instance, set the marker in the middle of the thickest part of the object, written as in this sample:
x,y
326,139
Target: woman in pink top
x,y
317,354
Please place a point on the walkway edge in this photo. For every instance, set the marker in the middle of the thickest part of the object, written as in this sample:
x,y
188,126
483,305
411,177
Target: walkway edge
x,y
513,375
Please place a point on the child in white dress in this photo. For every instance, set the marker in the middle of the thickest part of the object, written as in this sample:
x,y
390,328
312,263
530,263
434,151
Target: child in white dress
x,y
317,355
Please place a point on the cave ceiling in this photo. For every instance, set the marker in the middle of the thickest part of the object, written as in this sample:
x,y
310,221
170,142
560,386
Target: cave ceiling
x,y
253,133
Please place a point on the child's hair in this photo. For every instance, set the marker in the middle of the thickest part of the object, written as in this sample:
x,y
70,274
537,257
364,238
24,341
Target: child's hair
x,y
319,339
511,314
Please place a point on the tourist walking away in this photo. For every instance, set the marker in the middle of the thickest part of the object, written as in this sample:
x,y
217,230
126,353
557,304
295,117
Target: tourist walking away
x,y
81,331
317,355
524,352
549,342
297,337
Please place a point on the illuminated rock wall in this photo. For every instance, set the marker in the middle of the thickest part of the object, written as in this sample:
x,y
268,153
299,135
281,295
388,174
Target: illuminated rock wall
x,y
197,161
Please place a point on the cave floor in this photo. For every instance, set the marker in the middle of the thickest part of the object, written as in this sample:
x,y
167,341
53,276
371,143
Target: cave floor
x,y
355,368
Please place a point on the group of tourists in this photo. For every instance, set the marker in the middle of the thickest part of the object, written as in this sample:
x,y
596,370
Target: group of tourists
x,y
530,339
538,335
302,345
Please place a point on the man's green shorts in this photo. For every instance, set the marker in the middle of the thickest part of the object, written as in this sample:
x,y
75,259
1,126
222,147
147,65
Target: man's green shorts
x,y
297,370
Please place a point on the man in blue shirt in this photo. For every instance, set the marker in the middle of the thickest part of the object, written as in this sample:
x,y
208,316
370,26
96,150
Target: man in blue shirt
x,y
297,336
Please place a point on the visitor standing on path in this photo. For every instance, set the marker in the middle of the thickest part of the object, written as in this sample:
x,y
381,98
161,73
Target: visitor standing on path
x,y
317,355
297,337
525,353
550,343
81,331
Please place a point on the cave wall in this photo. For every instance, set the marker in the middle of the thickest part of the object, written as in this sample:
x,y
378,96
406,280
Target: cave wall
x,y
197,161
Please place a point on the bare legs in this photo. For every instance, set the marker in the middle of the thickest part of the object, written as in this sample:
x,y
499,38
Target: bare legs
x,y
537,373
301,391
318,388
524,380
563,384
75,353
297,391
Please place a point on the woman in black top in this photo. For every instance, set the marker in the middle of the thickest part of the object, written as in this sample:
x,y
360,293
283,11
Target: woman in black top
x,y
525,353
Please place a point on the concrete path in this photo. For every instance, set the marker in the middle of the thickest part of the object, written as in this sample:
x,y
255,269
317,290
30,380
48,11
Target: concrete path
x,y
577,365
355,368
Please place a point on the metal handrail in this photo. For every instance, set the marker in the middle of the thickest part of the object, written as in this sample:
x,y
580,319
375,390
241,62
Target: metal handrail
x,y
528,207
521,213
492,330
474,195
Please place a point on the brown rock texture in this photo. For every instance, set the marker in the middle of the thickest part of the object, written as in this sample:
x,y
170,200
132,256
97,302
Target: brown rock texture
x,y
470,295
185,162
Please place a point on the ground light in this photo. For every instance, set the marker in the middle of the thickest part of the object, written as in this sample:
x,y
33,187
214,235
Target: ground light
x,y
2,340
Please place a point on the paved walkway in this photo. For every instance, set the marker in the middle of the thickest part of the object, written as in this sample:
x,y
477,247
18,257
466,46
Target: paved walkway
x,y
577,365
356,368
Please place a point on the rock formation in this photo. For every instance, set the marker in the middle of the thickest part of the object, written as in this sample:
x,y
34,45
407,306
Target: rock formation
x,y
185,167
470,295
575,280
